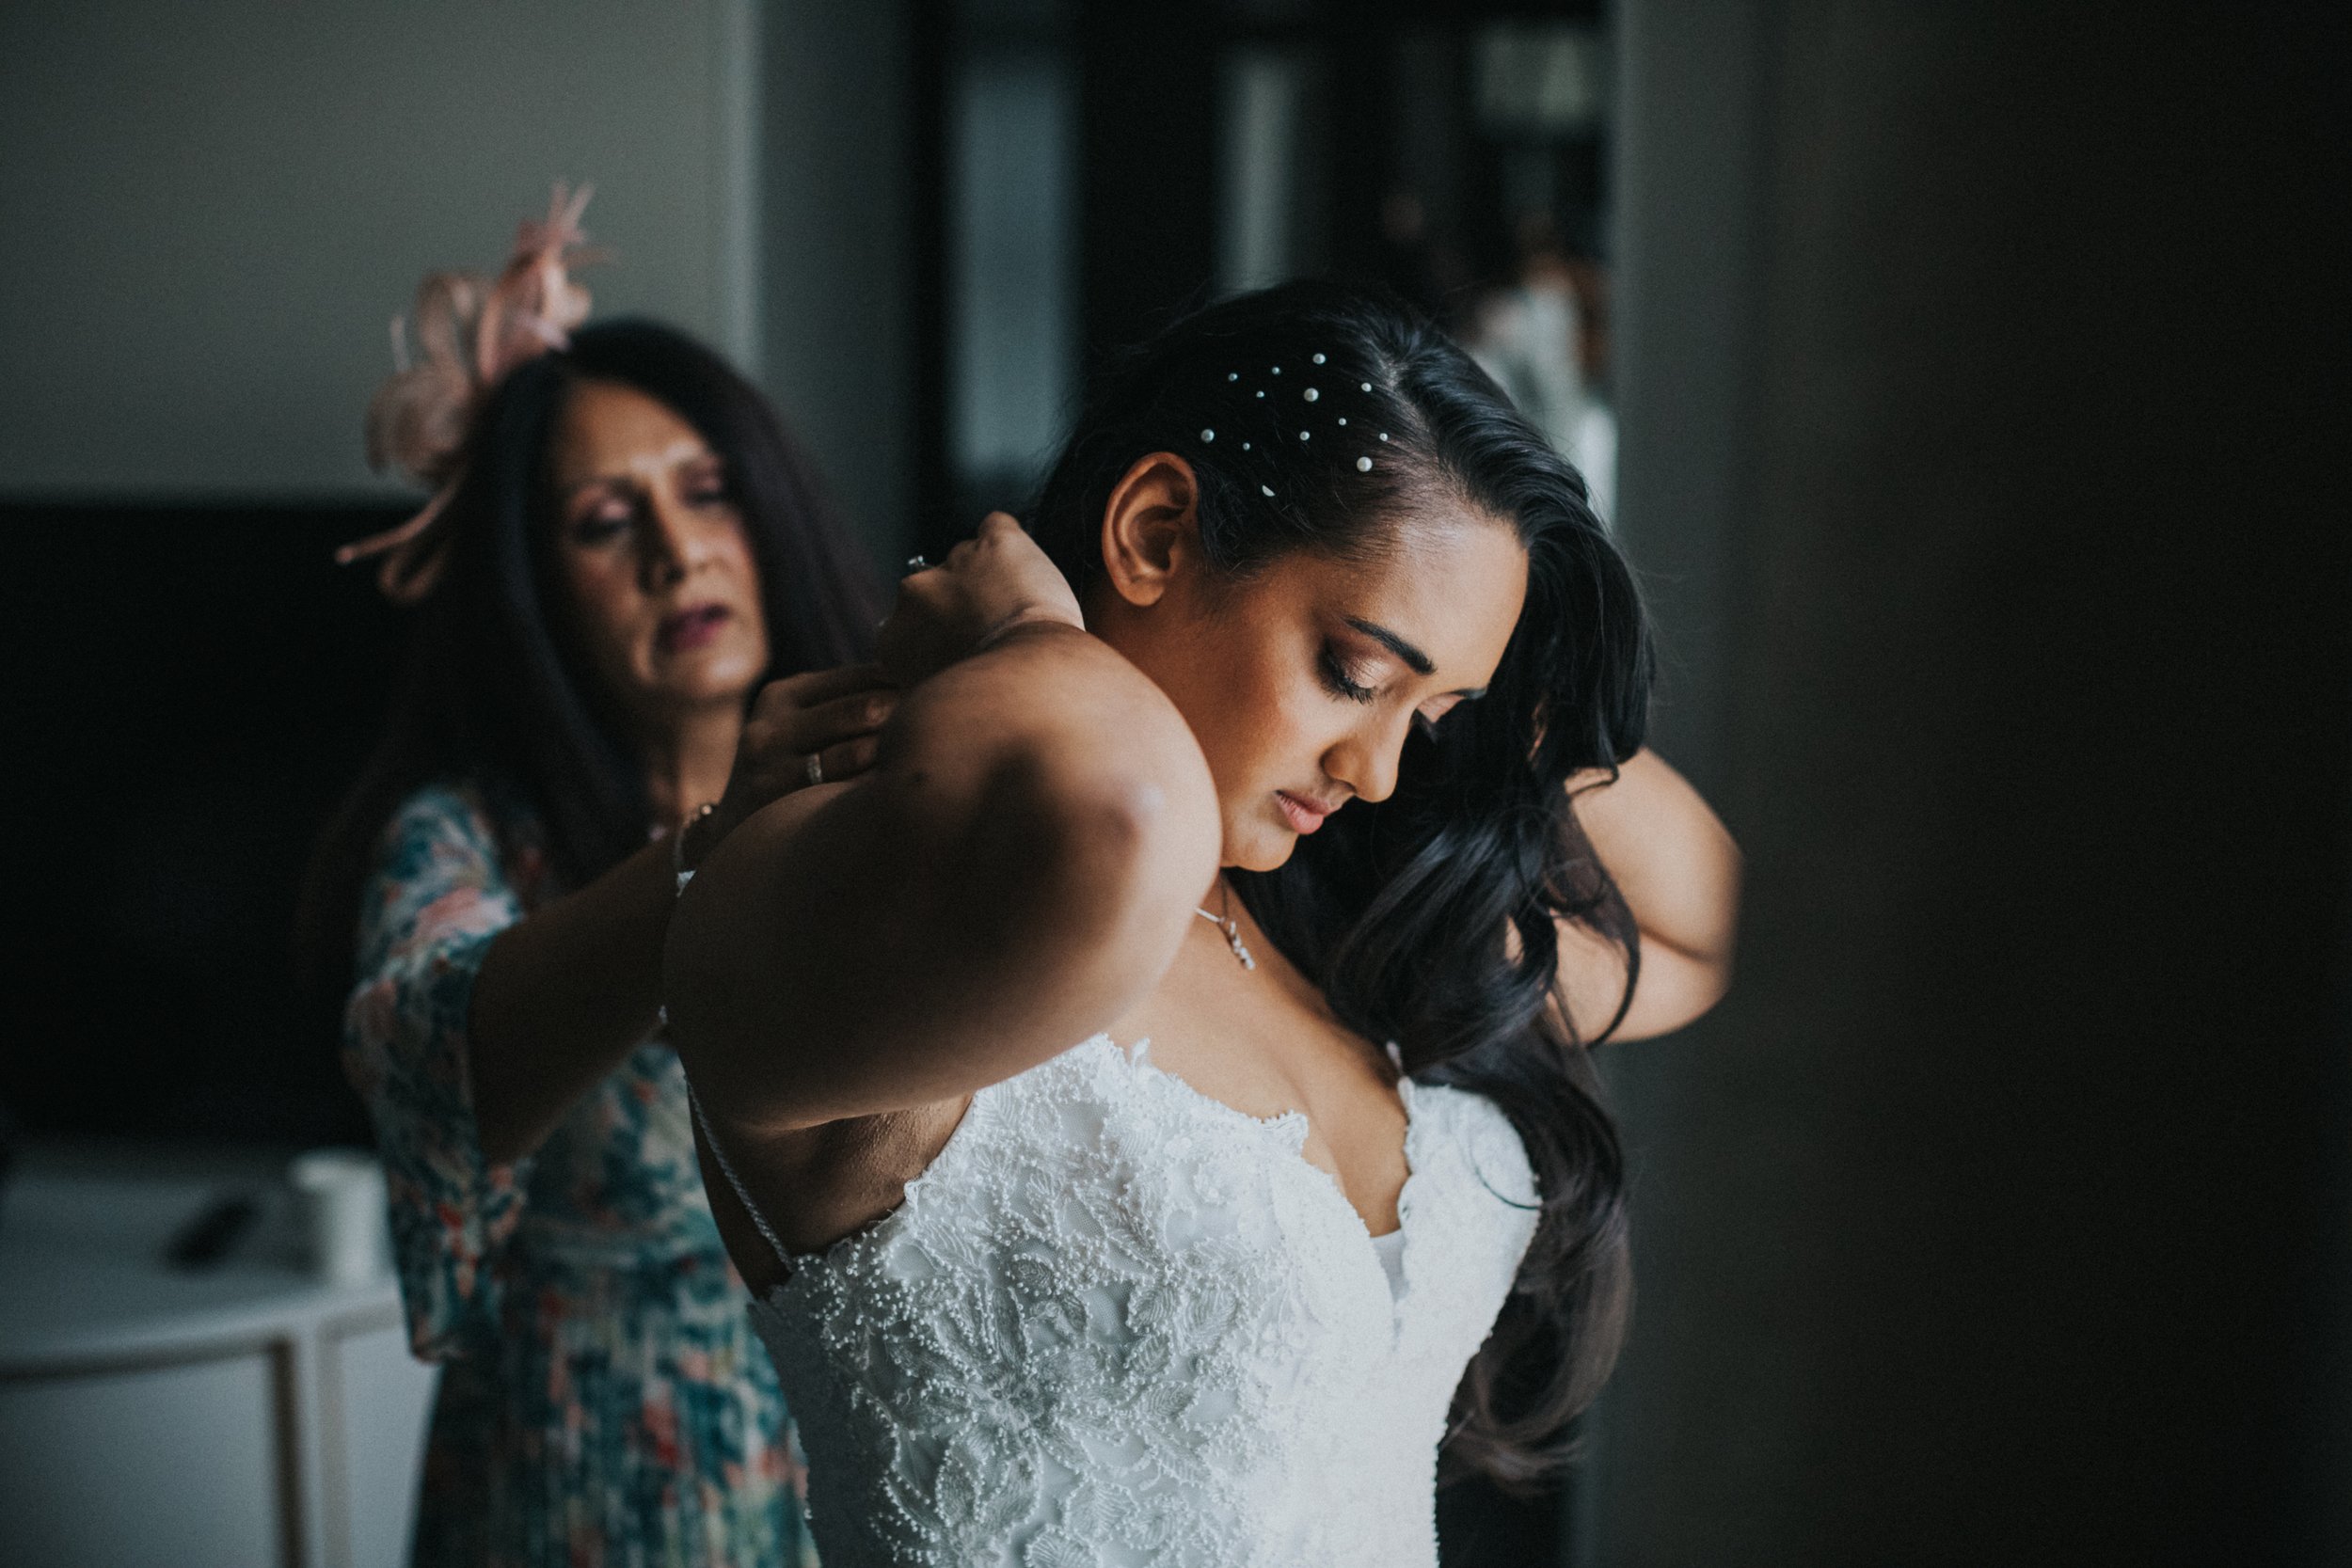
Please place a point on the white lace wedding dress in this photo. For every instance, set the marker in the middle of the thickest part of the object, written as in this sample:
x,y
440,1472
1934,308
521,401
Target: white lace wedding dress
x,y
1117,1323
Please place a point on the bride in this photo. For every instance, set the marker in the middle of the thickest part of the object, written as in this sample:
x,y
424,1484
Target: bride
x,y
1135,1096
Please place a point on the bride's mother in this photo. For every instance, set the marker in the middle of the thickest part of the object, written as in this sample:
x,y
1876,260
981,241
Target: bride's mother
x,y
626,550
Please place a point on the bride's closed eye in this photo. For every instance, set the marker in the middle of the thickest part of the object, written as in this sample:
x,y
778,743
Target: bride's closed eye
x,y
1340,682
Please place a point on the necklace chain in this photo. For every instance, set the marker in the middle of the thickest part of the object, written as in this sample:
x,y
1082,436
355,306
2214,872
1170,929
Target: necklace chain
x,y
1229,927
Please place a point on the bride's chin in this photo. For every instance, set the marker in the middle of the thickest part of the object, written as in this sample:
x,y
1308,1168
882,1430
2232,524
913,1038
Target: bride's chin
x,y
1264,851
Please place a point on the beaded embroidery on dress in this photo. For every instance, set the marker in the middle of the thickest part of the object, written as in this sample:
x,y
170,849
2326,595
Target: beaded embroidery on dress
x,y
1117,1322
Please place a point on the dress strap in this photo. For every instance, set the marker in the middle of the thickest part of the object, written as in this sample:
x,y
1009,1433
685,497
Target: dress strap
x,y
726,1168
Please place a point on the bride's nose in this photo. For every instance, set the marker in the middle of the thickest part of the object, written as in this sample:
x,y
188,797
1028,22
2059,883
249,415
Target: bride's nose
x,y
1365,759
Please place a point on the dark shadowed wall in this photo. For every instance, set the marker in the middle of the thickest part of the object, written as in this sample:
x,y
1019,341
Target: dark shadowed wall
x,y
838,216
1980,372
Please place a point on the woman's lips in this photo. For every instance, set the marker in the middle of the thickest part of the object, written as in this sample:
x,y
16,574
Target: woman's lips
x,y
1305,815
690,628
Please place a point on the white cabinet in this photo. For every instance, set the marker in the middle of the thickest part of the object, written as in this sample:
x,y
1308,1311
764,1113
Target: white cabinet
x,y
373,1407
161,1465
244,1415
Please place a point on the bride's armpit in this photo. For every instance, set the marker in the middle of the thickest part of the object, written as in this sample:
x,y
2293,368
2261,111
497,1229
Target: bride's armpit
x,y
820,1185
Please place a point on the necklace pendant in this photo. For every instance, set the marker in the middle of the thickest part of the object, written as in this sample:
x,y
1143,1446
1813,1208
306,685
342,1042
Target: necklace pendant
x,y
1230,929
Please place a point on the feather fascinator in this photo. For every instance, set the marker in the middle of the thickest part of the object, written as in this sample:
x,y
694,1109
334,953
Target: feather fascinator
x,y
471,332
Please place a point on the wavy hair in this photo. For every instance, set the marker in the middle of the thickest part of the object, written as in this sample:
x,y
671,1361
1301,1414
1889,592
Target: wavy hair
x,y
1428,918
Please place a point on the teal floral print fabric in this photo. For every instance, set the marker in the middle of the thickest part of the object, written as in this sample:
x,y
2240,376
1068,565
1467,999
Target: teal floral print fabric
x,y
602,1400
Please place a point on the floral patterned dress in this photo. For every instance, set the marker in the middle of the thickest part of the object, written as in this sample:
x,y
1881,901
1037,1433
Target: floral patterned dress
x,y
603,1401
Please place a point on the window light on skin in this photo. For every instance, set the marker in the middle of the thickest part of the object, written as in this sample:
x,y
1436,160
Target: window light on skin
x,y
1301,679
661,583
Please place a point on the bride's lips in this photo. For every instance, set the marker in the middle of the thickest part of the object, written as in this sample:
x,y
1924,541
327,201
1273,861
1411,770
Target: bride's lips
x,y
691,627
1305,815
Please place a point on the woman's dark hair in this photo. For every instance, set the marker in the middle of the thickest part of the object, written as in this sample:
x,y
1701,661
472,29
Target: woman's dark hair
x,y
1315,418
493,688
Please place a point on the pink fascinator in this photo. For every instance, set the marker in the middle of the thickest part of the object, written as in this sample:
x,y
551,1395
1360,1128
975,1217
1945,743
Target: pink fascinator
x,y
471,333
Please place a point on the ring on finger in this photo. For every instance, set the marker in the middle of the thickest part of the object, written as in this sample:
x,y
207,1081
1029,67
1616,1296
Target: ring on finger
x,y
815,768
917,563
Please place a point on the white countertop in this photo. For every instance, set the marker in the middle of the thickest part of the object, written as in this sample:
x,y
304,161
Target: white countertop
x,y
82,1277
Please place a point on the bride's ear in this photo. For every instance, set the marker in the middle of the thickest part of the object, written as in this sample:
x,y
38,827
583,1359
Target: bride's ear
x,y
1151,528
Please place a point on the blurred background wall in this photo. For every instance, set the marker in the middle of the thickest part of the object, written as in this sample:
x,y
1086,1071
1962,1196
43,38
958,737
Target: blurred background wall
x,y
212,210
837,262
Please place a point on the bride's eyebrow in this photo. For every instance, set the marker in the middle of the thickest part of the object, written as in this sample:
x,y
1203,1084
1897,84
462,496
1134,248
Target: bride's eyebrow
x,y
1414,658
1419,662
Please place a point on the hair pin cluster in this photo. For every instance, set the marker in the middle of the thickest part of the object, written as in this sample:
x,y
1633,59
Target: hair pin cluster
x,y
1311,394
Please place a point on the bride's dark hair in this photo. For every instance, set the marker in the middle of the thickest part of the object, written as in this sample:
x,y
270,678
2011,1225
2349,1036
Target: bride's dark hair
x,y
1402,910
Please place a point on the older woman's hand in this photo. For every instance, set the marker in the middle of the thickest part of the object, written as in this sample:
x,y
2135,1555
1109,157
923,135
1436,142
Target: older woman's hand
x,y
819,727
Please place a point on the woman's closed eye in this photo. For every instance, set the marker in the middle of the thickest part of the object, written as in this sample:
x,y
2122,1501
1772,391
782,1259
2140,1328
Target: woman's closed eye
x,y
705,484
606,514
604,517
1340,680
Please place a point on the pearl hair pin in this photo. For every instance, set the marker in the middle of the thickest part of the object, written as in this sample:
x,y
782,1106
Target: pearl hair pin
x,y
1309,394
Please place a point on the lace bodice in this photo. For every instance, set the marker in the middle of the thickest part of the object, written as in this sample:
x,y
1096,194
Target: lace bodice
x,y
1117,1322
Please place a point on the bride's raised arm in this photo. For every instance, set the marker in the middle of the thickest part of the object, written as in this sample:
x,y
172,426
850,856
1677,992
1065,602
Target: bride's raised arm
x,y
1678,870
1015,871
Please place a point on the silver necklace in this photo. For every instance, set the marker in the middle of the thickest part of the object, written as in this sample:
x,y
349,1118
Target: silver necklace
x,y
1230,928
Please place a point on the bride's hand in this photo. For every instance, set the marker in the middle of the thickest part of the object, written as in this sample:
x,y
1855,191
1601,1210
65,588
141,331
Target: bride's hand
x,y
992,582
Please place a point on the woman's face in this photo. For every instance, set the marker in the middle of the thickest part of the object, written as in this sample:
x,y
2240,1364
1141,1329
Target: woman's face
x,y
1302,680
651,552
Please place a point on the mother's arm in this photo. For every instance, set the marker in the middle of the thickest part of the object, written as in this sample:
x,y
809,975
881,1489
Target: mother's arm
x,y
1679,872
563,996
1015,872
570,990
